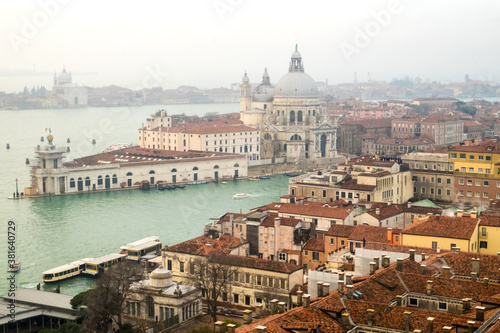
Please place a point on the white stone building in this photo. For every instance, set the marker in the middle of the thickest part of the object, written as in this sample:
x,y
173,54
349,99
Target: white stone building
x,y
65,88
293,127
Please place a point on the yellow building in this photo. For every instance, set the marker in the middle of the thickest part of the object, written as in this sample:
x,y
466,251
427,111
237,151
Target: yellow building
x,y
489,234
443,232
476,172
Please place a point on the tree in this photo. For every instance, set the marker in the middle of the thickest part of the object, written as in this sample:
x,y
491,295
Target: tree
x,y
107,300
213,275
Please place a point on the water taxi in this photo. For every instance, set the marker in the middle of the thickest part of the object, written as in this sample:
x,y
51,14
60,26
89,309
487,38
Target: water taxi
x,y
98,265
65,271
142,247
14,267
241,195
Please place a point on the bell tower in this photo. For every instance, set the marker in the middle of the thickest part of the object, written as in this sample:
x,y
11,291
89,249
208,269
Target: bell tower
x,y
245,94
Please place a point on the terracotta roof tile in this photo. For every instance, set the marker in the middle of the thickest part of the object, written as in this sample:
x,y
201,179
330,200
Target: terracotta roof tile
x,y
370,233
315,210
340,230
490,220
315,244
443,226
203,246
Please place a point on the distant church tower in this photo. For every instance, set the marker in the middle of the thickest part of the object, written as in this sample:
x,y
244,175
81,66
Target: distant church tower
x,y
245,94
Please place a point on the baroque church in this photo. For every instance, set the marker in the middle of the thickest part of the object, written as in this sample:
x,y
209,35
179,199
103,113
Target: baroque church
x,y
293,126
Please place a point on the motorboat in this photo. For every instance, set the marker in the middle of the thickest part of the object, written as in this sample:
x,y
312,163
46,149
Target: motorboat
x,y
241,195
14,267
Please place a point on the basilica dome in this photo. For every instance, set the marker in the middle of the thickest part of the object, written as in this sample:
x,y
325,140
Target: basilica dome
x,y
264,91
296,83
64,77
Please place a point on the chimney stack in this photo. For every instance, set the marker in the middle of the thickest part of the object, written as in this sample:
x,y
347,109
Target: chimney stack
x,y
319,289
475,265
230,328
258,310
346,320
326,289
219,327
399,265
376,260
348,278
460,213
473,276
470,326
247,316
429,287
372,267
299,297
386,261
341,276
349,291
486,281
430,324
389,235
407,321
480,313
274,306
261,329
465,304
307,300
446,273
399,300
370,316
447,329
377,211
423,269
281,307
423,256
412,255
340,286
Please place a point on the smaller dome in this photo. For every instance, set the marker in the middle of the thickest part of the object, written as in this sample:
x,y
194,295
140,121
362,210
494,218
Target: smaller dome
x,y
161,277
296,55
245,78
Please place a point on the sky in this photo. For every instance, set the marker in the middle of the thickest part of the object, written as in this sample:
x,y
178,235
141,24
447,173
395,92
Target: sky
x,y
211,43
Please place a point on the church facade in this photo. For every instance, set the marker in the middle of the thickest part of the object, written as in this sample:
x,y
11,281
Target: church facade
x,y
293,126
65,89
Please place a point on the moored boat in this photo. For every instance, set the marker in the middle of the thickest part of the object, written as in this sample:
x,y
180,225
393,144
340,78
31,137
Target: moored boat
x,y
65,271
142,247
265,177
98,265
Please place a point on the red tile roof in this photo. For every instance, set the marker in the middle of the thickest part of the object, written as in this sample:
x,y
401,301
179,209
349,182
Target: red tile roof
x,y
443,226
341,230
490,220
315,210
203,246
369,233
315,244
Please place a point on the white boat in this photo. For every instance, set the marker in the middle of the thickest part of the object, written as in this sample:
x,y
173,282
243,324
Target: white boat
x,y
241,195
14,267
65,271
142,247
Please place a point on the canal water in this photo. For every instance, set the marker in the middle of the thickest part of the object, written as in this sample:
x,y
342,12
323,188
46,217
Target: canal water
x,y
57,230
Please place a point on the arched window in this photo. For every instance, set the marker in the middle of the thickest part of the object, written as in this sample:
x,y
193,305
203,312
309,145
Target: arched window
x,y
173,170
87,181
268,136
72,182
296,137
99,180
195,168
129,173
152,172
292,116
236,165
216,167
299,116
115,179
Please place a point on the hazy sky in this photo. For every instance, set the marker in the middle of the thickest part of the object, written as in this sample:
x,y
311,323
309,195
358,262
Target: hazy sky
x,y
210,43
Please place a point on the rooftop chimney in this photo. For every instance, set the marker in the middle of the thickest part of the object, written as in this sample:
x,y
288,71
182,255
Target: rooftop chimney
x,y
465,304
407,321
470,326
258,310
430,324
475,265
340,286
429,287
247,316
473,276
370,316
423,269
473,214
423,256
307,300
412,255
389,235
409,204
399,265
281,307
299,297
386,261
348,278
372,267
447,329
326,289
319,289
261,329
486,281
460,213
274,306
377,211
399,300
376,260
230,328
349,291
346,320
341,276
446,273
219,327
480,313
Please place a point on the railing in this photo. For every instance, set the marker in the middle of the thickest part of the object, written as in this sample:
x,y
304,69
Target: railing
x,y
50,149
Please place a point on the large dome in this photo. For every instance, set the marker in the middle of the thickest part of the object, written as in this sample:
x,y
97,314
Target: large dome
x,y
296,84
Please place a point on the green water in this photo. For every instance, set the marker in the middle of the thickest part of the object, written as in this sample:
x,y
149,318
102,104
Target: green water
x,y
57,230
